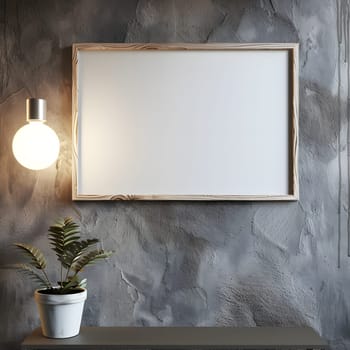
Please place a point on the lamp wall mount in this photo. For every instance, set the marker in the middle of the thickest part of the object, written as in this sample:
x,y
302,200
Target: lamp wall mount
x,y
36,109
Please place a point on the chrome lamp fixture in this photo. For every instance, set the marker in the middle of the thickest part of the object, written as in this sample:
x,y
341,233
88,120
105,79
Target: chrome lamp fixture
x,y
35,145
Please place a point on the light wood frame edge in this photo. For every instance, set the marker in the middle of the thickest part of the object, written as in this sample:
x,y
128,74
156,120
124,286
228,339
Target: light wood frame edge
x,y
293,49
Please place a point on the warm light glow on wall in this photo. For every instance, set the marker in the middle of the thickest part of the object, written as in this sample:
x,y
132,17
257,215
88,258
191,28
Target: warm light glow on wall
x,y
35,145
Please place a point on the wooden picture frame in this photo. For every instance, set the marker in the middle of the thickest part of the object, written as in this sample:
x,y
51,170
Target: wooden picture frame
x,y
99,68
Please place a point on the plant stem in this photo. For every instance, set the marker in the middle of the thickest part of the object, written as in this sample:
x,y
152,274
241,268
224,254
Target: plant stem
x,y
61,282
68,270
47,279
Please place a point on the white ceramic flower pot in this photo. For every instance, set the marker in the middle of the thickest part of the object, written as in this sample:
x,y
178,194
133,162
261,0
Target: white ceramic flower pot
x,y
60,314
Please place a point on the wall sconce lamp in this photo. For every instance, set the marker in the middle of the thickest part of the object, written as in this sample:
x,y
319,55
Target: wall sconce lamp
x,y
35,145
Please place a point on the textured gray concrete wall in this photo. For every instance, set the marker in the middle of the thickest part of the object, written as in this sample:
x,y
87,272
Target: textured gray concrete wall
x,y
193,264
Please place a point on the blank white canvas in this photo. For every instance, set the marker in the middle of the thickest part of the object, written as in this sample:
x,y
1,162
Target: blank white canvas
x,y
153,122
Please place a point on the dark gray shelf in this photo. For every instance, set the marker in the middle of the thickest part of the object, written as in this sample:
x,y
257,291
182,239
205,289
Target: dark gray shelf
x,y
182,338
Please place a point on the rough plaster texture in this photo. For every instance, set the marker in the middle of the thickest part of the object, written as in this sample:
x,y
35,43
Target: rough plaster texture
x,y
192,264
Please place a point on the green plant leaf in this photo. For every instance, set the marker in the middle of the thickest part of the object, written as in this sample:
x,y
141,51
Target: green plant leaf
x,y
89,259
62,235
72,283
83,283
75,250
29,272
36,257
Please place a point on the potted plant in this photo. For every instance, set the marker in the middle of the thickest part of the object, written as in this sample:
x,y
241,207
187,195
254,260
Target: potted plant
x,y
61,306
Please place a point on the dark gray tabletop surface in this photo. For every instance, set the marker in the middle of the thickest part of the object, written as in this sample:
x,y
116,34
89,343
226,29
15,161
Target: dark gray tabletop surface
x,y
182,337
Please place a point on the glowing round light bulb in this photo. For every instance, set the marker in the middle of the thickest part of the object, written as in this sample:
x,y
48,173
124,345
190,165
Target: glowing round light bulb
x,y
36,146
